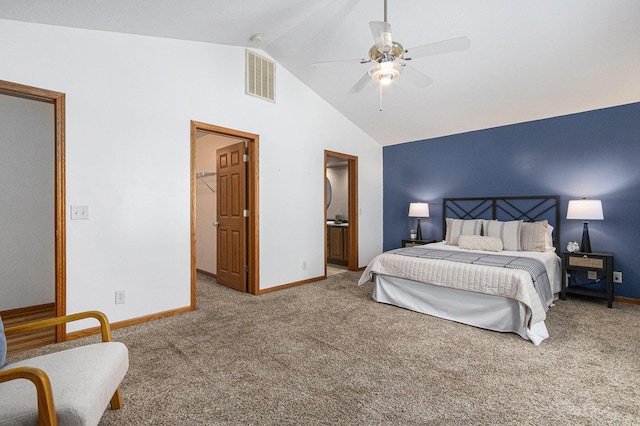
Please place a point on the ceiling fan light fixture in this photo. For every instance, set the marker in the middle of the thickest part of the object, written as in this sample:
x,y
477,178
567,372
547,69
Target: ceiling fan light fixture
x,y
385,72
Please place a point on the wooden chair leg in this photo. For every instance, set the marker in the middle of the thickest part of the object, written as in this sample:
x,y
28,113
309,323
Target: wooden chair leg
x,y
116,400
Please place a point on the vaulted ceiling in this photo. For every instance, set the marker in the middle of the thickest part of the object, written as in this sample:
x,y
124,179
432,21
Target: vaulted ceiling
x,y
529,59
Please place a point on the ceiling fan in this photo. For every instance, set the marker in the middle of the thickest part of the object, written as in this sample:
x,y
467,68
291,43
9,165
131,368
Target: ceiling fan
x,y
388,57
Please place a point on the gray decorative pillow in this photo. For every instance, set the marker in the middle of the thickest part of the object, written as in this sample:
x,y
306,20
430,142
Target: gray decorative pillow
x,y
457,227
508,232
533,235
3,345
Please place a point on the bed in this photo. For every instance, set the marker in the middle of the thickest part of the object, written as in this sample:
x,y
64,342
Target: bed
x,y
496,268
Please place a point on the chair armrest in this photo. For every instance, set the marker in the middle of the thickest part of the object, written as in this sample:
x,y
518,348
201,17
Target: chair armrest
x,y
46,409
105,328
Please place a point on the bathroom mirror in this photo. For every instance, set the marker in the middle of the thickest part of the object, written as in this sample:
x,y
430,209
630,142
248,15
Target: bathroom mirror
x,y
328,192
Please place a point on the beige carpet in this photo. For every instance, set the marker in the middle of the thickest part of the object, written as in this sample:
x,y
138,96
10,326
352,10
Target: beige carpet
x,y
325,353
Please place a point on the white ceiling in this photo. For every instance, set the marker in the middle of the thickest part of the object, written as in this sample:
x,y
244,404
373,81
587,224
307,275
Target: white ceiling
x,y
529,59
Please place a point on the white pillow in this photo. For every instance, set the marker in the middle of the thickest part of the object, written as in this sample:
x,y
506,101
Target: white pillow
x,y
478,242
508,232
548,245
457,227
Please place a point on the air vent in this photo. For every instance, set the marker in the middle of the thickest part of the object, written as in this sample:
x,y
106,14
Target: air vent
x,y
261,77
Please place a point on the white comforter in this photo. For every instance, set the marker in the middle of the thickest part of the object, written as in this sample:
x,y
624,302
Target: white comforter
x,y
512,283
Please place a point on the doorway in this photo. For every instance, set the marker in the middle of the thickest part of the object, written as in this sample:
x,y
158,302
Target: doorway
x,y
341,212
204,190
55,212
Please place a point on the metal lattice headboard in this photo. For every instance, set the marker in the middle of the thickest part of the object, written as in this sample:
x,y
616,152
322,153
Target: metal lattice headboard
x,y
527,209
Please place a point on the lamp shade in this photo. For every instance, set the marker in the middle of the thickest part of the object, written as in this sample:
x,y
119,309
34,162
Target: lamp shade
x,y
419,210
585,210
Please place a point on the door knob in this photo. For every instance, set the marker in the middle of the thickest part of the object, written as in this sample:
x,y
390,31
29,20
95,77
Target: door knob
x,y
216,223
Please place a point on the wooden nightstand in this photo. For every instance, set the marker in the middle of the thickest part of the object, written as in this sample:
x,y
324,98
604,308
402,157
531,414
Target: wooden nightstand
x,y
600,264
411,243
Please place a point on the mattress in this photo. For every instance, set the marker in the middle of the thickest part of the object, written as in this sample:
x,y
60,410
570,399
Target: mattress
x,y
498,299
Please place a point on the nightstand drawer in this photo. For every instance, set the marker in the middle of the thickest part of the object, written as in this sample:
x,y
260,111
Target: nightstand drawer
x,y
586,262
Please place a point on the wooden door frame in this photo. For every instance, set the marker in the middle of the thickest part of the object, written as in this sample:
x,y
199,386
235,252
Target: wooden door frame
x,y
58,101
253,234
352,173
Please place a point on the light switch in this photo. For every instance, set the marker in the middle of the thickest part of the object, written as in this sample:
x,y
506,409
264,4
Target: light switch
x,y
79,212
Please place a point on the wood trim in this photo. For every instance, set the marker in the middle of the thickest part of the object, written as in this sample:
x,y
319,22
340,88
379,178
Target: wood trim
x,y
253,228
28,92
192,207
26,312
207,273
294,284
352,162
58,100
61,234
627,300
127,323
353,214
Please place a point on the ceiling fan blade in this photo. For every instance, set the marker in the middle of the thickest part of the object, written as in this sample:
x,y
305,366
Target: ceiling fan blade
x,y
416,77
361,84
445,46
340,61
381,35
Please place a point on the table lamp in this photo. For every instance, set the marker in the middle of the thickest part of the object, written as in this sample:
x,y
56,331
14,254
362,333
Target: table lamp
x,y
585,210
419,210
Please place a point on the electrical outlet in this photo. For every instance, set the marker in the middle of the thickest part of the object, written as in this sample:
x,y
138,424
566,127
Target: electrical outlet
x,y
304,265
119,297
617,277
79,212
592,275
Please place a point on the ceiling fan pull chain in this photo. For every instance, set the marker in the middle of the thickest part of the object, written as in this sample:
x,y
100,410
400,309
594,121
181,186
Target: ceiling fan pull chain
x,y
380,86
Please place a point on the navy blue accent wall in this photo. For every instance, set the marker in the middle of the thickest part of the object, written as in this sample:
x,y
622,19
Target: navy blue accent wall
x,y
594,154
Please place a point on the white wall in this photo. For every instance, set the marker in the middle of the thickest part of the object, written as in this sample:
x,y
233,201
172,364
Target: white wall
x,y
130,100
27,203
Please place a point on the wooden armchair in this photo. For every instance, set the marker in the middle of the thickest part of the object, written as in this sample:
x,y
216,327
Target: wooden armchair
x,y
70,387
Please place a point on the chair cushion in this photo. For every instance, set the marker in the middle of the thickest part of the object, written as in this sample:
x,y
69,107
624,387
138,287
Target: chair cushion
x,y
3,345
83,380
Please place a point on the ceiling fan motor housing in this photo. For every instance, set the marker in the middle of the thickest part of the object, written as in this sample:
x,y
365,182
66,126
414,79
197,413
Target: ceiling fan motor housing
x,y
396,52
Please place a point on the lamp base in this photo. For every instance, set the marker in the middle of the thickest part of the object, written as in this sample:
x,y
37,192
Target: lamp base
x,y
585,247
419,235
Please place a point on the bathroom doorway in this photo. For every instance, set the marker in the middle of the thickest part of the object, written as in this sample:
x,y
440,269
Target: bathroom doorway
x,y
341,212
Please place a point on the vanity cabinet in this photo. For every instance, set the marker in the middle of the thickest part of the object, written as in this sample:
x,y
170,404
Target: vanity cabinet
x,y
338,244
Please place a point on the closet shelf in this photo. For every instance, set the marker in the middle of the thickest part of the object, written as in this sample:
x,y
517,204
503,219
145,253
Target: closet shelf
x,y
202,175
